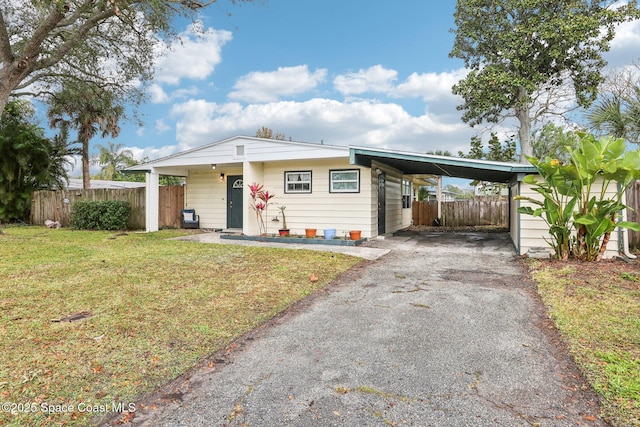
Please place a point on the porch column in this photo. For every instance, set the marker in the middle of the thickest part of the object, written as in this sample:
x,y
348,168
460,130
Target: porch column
x,y
251,172
152,196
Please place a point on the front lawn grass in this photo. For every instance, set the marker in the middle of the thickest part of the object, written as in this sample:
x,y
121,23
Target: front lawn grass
x,y
596,306
155,309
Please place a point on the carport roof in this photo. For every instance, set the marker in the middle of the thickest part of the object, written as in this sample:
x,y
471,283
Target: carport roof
x,y
415,163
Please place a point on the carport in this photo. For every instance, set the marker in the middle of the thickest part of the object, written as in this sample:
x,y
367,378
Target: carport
x,y
420,165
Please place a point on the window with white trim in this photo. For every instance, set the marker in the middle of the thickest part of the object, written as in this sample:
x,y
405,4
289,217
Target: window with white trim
x,y
297,182
406,194
344,181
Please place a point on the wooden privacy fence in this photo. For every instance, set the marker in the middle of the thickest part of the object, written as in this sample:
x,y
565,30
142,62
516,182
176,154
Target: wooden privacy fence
x,y
56,205
462,213
171,203
633,201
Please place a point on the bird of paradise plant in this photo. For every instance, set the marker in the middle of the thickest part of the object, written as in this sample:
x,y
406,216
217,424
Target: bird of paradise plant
x,y
260,203
571,201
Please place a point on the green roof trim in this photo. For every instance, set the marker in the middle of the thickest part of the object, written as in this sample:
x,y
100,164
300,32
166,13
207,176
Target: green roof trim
x,y
415,163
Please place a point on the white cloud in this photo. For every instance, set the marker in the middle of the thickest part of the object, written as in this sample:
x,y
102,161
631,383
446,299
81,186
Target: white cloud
x,y
160,126
184,92
429,86
152,153
373,79
624,46
270,86
194,57
195,124
361,122
158,95
627,34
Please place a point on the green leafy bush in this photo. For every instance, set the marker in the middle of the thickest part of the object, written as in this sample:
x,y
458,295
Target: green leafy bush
x,y
109,215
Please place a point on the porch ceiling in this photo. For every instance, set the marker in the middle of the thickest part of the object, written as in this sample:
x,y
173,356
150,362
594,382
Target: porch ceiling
x,y
415,163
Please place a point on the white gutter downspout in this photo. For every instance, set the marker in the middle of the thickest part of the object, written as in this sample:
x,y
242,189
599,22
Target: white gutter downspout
x,y
624,233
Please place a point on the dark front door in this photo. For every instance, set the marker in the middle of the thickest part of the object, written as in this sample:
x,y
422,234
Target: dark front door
x,y
234,201
382,204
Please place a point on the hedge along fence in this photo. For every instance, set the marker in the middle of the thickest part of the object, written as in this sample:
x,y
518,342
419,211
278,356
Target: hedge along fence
x,y
109,215
56,205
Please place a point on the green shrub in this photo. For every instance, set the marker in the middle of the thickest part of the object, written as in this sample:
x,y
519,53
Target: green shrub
x,y
110,215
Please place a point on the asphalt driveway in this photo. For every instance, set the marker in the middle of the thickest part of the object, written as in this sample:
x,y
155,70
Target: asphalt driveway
x,y
444,330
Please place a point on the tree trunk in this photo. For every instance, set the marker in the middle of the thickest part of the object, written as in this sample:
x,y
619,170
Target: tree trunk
x,y
605,240
603,246
524,131
10,77
5,92
86,178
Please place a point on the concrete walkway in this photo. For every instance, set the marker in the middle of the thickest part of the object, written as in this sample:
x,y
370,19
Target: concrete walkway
x,y
367,251
443,330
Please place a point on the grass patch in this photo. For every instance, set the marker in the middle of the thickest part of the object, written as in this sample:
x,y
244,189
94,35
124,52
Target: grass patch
x,y
596,306
156,307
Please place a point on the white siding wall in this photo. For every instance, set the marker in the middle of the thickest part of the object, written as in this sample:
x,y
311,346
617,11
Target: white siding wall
x,y
533,230
393,193
320,209
270,150
407,218
207,194
255,149
407,213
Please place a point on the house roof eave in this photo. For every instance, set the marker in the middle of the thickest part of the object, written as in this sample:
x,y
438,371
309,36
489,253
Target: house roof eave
x,y
415,163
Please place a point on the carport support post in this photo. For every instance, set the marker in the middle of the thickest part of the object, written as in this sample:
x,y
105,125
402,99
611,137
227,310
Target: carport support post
x,y
439,198
152,196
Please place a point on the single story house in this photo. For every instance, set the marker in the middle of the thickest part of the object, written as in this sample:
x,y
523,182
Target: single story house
x,y
326,186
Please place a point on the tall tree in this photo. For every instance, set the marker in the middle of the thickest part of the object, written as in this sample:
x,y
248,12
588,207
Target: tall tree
x,y
28,161
265,132
497,151
111,43
446,153
112,159
515,48
553,141
61,159
90,110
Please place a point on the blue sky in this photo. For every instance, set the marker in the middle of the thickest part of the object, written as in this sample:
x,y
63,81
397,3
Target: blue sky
x,y
343,72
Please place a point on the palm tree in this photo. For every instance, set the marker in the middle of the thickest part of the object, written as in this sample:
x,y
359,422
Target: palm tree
x,y
112,159
28,160
90,110
618,113
609,117
60,158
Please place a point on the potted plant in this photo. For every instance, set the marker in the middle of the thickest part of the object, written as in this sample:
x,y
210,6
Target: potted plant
x,y
329,233
355,234
284,231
